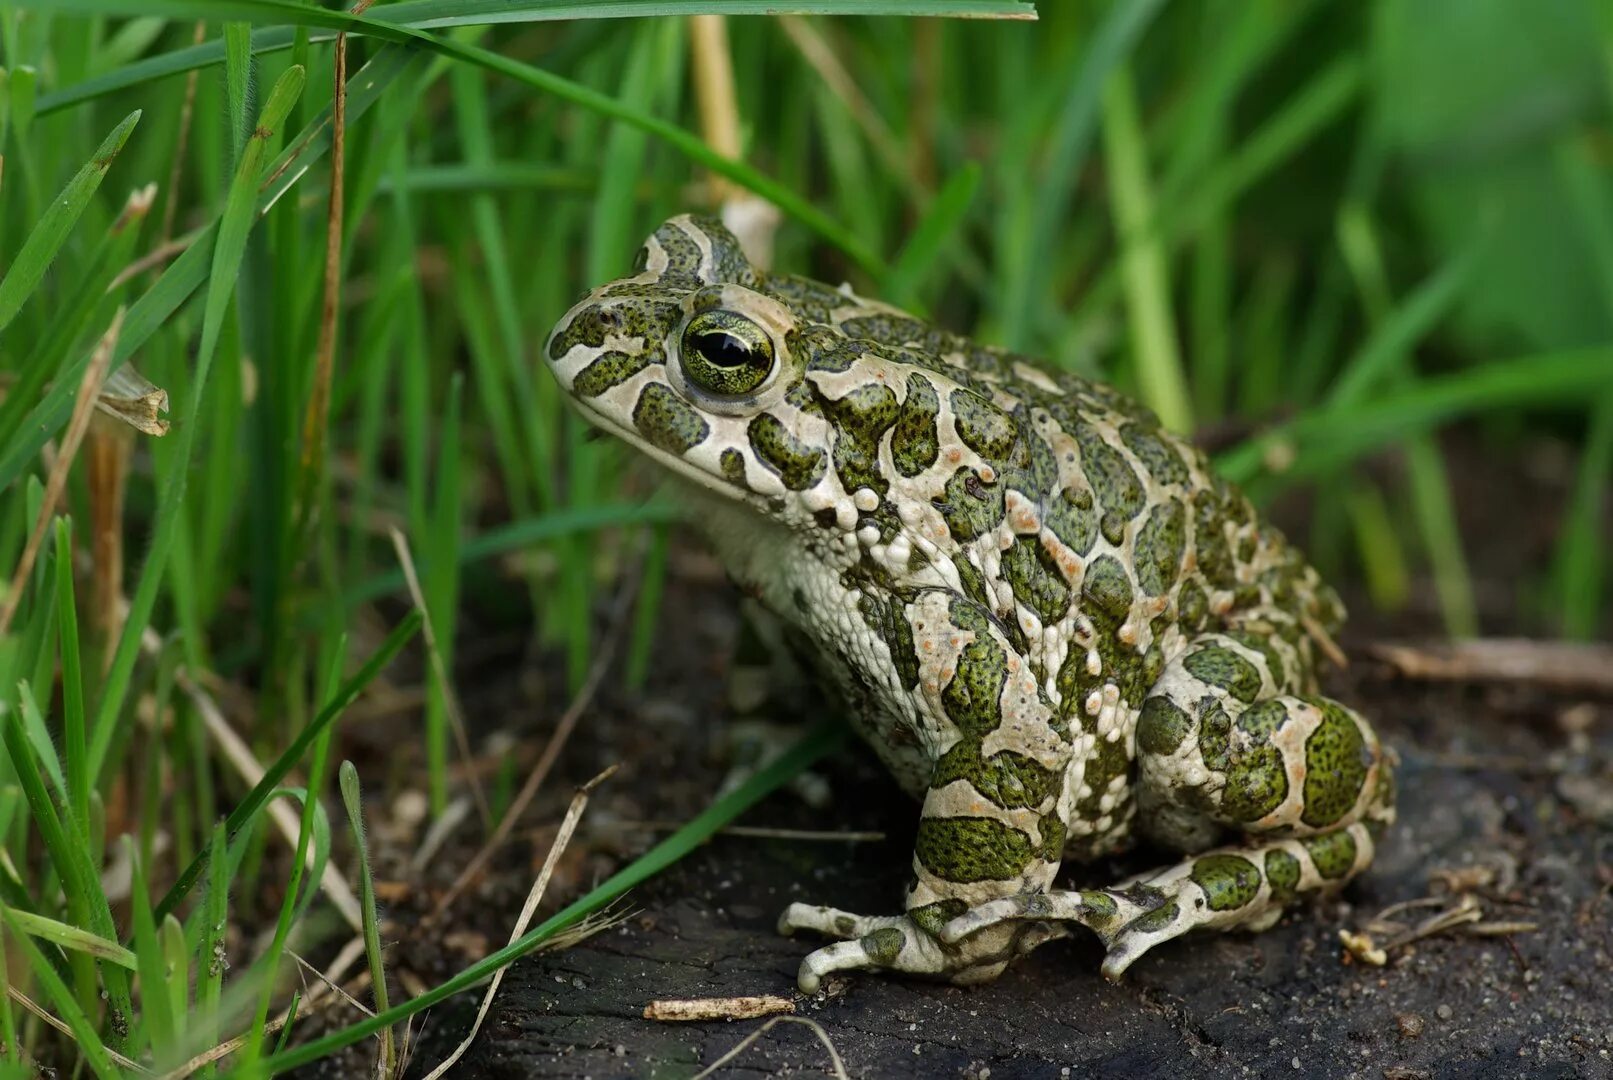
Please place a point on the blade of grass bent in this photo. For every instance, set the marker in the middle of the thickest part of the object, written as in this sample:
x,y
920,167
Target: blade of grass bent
x,y
439,14
818,742
39,250
1327,439
686,142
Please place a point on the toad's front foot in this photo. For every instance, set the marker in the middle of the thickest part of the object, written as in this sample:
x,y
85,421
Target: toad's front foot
x,y
907,944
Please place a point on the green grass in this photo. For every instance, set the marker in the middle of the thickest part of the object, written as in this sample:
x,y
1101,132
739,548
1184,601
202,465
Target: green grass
x,y
1296,221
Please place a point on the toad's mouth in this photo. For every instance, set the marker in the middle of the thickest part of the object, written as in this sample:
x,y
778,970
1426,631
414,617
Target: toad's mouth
x,y
676,464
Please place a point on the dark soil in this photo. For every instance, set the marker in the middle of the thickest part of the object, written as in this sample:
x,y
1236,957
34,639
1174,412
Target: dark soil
x,y
1509,785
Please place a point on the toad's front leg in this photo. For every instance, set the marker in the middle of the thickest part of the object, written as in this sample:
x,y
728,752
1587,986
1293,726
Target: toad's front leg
x,y
990,826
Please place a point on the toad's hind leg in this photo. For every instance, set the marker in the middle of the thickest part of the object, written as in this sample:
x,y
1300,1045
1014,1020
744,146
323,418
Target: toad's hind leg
x,y
1223,746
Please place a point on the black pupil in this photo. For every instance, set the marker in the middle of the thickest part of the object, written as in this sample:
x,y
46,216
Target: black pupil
x,y
722,349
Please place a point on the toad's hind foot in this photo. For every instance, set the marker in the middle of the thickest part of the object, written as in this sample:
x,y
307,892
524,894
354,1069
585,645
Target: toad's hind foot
x,y
1232,888
904,944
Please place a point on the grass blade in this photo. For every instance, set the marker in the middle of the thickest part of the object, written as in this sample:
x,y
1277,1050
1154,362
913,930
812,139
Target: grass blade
x,y
260,793
936,231
39,250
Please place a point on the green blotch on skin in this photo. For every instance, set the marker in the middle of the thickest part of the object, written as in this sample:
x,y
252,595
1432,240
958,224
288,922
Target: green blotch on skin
x,y
972,581
971,849
1282,872
733,466
812,301
1220,666
914,442
1108,586
1261,643
1162,726
649,319
1261,720
1192,609
1119,491
1100,907
1229,881
1210,540
970,506
983,427
1156,920
666,422
1162,460
1007,779
1256,785
825,349
1160,545
1071,516
1051,849
683,254
1215,734
1336,763
1332,853
887,329
728,261
931,917
884,945
800,466
608,370
1107,760
861,419
888,618
1036,579
972,698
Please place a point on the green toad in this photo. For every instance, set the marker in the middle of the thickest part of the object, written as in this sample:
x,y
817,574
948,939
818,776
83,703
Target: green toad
x,y
1057,628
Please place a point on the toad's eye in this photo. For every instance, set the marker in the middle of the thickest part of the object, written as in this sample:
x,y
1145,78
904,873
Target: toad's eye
x,y
725,353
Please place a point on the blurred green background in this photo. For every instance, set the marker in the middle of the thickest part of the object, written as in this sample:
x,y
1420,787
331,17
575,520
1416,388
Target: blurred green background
x,y
1363,250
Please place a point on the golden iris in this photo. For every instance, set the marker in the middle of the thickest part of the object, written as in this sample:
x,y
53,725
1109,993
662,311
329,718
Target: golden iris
x,y
725,353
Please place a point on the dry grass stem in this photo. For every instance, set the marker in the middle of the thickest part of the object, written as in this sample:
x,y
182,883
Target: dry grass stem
x,y
83,408
456,714
837,1066
38,1010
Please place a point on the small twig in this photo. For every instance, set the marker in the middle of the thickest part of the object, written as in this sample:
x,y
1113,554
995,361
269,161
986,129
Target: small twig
x,y
456,715
838,1067
551,753
168,249
83,408
332,987
1562,666
573,814
694,1010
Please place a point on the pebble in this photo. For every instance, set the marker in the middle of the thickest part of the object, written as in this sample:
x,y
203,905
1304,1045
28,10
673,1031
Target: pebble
x,y
1444,1012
